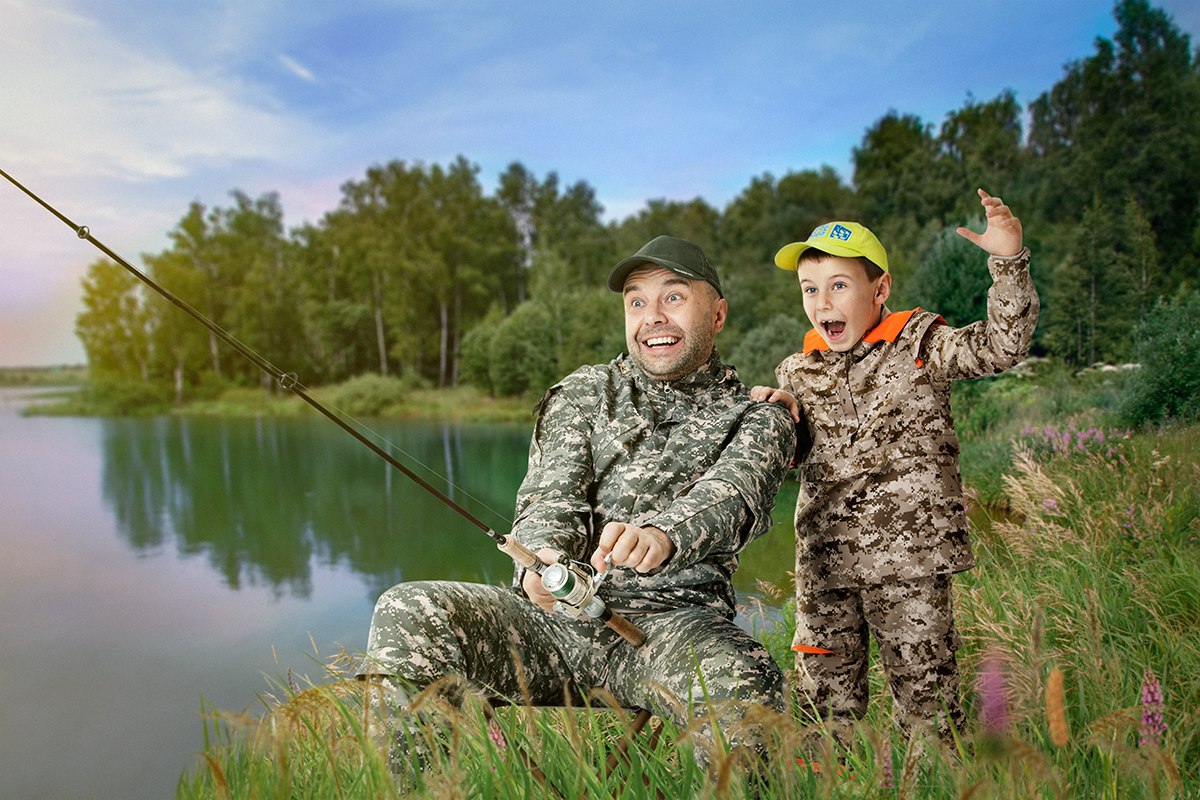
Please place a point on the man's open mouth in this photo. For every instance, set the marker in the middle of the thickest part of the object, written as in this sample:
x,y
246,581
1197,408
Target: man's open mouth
x,y
660,341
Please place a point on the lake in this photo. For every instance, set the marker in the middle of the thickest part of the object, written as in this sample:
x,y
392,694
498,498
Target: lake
x,y
152,564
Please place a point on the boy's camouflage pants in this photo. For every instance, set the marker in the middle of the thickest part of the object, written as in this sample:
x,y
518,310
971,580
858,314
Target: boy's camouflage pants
x,y
422,631
913,623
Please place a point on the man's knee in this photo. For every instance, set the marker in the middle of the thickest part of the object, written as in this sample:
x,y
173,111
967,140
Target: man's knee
x,y
727,664
410,635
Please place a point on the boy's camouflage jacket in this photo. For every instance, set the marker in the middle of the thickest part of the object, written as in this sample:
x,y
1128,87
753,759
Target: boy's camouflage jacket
x,y
695,458
880,497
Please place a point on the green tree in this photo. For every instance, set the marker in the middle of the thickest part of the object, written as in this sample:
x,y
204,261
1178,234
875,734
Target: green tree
x,y
694,220
766,215
230,265
471,246
181,350
1095,306
337,327
547,219
982,142
952,279
906,185
191,270
113,325
476,351
382,228
1124,124
762,349
250,244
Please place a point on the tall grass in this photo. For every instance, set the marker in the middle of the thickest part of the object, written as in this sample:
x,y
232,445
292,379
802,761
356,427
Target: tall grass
x,y
1081,624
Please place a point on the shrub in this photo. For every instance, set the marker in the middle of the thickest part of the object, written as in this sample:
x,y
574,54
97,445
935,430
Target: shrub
x,y
367,395
119,397
1168,383
475,357
522,352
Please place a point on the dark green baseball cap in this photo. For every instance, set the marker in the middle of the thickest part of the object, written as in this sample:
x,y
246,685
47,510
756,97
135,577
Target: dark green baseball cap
x,y
678,255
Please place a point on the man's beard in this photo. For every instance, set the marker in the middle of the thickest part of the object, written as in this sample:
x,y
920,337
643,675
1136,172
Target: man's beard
x,y
694,356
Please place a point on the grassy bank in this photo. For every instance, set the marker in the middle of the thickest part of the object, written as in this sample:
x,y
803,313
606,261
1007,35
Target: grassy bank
x,y
460,403
1082,620
64,375
395,402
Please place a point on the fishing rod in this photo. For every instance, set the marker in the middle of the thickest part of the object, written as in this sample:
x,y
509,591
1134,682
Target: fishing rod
x,y
573,584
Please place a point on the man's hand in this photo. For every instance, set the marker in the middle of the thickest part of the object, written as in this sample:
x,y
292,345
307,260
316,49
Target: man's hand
x,y
643,549
1002,236
766,394
532,582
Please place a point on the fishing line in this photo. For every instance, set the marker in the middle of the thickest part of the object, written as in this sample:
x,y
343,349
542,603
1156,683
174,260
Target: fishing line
x,y
288,381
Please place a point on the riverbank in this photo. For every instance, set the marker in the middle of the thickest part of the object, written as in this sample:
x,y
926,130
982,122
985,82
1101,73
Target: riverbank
x,y
457,404
61,375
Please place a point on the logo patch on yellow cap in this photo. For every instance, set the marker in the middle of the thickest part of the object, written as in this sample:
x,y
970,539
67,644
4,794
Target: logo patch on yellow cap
x,y
845,239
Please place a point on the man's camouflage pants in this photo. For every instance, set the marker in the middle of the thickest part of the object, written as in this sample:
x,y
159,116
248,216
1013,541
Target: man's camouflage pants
x,y
913,624
497,639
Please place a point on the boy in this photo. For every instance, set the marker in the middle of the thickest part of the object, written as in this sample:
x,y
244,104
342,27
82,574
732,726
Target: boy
x,y
880,518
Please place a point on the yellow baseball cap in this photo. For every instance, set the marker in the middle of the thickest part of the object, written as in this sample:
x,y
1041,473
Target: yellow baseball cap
x,y
847,239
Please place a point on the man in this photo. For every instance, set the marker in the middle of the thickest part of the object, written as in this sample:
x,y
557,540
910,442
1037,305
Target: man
x,y
659,462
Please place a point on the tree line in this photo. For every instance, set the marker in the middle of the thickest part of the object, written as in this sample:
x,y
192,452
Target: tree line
x,y
420,274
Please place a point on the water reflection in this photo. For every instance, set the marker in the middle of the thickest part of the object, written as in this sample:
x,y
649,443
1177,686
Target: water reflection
x,y
264,499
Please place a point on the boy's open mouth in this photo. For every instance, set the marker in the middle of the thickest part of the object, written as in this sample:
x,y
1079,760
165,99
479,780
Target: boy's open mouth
x,y
834,329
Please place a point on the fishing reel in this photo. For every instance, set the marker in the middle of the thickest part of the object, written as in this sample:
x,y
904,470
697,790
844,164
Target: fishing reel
x,y
574,584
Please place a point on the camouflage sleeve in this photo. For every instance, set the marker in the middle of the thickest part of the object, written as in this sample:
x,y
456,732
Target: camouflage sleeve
x,y
784,371
552,505
1002,340
728,506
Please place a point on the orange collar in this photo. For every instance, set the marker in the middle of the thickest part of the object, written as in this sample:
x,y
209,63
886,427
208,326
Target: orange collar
x,y
886,331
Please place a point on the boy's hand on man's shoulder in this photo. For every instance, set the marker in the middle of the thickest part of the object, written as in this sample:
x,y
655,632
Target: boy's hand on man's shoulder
x,y
1002,235
767,394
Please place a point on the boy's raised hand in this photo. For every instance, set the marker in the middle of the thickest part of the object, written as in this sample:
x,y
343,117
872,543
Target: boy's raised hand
x,y
1002,236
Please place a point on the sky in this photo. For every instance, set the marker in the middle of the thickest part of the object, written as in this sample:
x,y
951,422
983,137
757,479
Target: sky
x,y
121,114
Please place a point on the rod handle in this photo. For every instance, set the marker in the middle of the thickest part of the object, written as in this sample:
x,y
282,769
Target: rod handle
x,y
520,554
628,631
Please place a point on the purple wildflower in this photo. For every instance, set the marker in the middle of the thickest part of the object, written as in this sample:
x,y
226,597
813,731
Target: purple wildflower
x,y
496,735
1050,505
1128,523
1153,726
887,777
993,697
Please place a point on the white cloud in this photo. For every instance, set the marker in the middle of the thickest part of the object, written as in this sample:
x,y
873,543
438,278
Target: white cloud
x,y
78,101
119,132
296,68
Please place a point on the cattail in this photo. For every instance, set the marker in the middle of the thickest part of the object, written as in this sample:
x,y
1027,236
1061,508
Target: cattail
x,y
1152,727
993,697
1056,712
